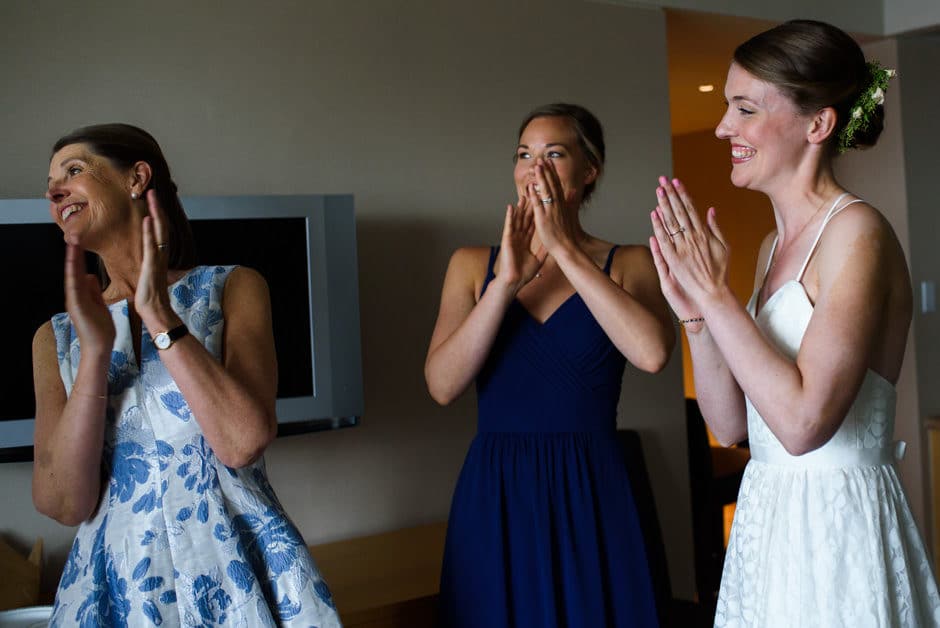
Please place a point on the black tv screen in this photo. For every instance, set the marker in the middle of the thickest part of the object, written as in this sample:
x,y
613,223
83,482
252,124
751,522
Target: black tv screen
x,y
290,240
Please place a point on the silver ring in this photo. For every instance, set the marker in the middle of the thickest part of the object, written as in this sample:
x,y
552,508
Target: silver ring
x,y
162,245
547,201
676,232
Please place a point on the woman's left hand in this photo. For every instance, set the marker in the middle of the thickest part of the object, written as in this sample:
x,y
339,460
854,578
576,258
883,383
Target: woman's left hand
x,y
696,255
151,299
549,207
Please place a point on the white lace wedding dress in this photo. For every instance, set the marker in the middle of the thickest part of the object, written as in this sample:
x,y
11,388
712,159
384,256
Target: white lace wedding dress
x,y
827,538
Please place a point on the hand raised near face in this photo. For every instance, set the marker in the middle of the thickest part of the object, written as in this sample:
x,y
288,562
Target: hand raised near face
x,y
151,299
550,207
85,305
517,264
691,257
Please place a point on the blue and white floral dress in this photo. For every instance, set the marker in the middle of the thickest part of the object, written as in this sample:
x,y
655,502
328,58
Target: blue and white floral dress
x,y
179,539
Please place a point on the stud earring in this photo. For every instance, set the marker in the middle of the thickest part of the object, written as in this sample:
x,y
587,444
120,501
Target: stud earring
x,y
134,195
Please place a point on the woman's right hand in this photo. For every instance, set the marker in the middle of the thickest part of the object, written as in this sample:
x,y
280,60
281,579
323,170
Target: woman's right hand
x,y
517,263
85,305
678,300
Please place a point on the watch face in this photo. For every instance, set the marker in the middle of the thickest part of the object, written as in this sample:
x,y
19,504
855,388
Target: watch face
x,y
161,340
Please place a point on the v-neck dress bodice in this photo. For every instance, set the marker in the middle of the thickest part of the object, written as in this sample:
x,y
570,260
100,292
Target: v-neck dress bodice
x,y
178,538
560,375
543,532
825,539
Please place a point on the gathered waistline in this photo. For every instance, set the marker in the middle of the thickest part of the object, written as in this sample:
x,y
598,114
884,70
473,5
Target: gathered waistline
x,y
830,458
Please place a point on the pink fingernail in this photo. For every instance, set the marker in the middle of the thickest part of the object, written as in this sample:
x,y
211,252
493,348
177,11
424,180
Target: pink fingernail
x,y
675,181
659,192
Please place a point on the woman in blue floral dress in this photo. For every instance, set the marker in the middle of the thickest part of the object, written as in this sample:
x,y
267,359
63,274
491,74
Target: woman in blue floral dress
x,y
154,403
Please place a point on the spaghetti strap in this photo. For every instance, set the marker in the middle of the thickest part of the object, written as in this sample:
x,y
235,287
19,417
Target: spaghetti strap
x,y
610,258
770,259
829,216
494,251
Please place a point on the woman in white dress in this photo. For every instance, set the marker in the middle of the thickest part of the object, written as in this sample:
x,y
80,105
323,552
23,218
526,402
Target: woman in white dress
x,y
823,534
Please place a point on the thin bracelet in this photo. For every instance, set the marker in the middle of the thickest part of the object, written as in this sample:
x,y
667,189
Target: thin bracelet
x,y
697,319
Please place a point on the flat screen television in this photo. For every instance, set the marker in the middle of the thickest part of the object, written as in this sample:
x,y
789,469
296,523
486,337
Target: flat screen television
x,y
304,246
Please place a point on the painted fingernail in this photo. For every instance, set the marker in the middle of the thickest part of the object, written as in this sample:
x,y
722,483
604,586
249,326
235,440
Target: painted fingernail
x,y
675,181
659,192
662,180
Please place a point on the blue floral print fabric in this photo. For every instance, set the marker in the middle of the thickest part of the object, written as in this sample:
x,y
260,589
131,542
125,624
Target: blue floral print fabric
x,y
179,539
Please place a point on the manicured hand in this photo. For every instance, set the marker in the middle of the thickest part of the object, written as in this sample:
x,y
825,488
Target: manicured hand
x,y
691,257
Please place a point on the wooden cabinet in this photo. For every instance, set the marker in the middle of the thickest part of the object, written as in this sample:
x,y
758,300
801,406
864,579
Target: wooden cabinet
x,y
387,580
932,425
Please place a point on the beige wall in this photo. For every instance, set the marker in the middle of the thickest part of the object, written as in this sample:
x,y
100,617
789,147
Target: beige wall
x,y
908,15
918,60
412,107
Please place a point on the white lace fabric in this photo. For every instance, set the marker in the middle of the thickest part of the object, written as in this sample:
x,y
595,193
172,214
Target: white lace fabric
x,y
825,539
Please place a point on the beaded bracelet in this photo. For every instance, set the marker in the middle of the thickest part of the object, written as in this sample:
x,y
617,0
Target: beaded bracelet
x,y
697,319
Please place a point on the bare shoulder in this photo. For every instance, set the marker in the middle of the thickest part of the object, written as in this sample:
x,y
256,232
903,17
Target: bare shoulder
x,y
243,286
467,267
860,246
632,266
43,340
46,363
859,230
245,278
471,257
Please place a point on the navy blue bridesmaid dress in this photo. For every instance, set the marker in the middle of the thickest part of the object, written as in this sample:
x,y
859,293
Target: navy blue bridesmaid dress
x,y
543,531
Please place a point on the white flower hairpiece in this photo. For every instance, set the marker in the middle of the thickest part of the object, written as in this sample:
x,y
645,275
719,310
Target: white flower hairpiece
x,y
862,109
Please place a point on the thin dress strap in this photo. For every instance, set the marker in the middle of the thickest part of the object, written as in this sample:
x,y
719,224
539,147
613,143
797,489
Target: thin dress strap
x,y
829,216
494,251
610,258
770,259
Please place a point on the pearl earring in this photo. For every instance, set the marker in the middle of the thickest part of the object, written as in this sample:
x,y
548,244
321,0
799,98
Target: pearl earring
x,y
134,195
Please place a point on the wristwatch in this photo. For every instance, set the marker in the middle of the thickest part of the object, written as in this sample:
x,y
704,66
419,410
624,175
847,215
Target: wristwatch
x,y
165,339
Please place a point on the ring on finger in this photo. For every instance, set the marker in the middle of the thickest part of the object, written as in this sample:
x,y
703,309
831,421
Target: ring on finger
x,y
676,232
547,200
162,245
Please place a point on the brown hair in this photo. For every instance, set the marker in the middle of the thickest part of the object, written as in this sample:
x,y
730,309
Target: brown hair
x,y
816,65
124,145
586,126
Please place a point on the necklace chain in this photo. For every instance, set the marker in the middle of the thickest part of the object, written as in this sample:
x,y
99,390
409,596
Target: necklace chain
x,y
773,261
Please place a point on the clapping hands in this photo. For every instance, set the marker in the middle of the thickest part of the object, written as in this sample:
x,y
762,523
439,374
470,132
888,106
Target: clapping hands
x,y
691,257
518,264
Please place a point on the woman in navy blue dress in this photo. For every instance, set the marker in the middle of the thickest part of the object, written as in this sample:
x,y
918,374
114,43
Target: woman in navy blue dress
x,y
543,531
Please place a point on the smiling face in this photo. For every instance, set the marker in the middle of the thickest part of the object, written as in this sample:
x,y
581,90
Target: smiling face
x,y
553,138
88,196
768,134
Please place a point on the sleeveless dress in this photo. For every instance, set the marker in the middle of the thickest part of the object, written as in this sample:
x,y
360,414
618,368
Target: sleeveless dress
x,y
543,531
178,538
827,538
